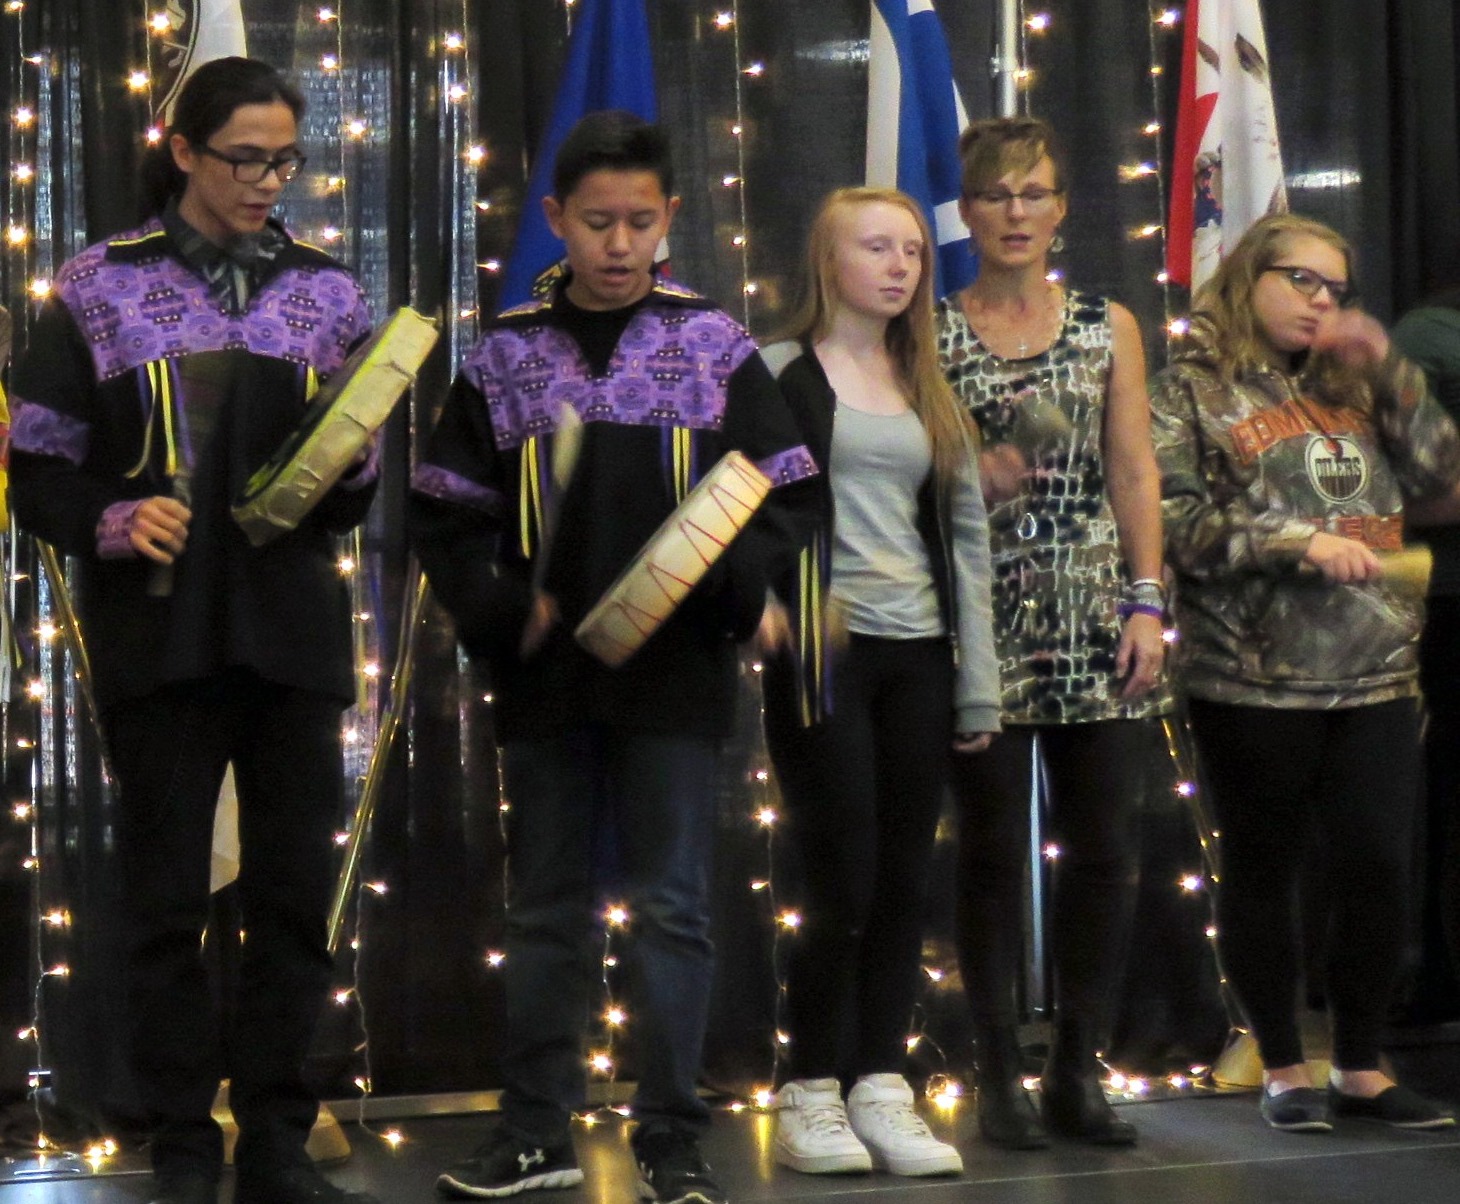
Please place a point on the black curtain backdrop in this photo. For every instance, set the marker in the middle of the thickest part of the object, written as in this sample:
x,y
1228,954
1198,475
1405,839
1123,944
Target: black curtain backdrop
x,y
1423,161
1367,107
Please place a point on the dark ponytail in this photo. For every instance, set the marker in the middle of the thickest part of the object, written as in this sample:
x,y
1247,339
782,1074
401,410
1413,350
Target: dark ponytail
x,y
204,106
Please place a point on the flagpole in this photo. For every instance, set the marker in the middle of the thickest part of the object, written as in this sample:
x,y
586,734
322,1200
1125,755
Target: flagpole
x,y
1007,63
1037,967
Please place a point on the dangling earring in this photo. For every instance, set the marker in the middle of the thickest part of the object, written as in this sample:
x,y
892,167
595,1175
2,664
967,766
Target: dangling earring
x,y
1057,243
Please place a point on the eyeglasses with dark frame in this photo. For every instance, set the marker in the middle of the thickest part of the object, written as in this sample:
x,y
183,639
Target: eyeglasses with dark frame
x,y
255,171
1033,197
1308,282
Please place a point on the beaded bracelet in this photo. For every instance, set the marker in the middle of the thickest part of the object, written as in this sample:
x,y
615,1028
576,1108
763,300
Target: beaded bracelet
x,y
1144,591
1126,609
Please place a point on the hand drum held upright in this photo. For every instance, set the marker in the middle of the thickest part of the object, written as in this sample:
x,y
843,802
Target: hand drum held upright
x,y
676,556
348,409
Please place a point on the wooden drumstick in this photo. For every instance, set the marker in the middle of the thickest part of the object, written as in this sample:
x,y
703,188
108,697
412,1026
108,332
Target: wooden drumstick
x,y
567,440
163,576
567,443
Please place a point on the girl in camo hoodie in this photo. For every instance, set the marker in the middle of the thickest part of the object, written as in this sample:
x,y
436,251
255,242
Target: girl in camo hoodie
x,y
1294,441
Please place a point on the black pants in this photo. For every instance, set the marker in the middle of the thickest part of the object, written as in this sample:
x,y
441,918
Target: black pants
x,y
1280,779
1094,771
169,752
1437,989
862,792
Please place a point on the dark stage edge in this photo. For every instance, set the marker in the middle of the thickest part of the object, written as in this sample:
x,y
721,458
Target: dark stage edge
x,y
1210,1150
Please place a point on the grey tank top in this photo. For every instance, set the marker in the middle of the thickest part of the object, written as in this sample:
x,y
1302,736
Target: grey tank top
x,y
880,572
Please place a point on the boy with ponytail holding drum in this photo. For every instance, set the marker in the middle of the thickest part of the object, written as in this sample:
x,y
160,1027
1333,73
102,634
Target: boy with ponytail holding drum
x,y
573,430
160,372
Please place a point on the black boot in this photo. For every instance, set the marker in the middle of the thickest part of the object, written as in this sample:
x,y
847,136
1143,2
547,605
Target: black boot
x,y
1007,1117
1073,1098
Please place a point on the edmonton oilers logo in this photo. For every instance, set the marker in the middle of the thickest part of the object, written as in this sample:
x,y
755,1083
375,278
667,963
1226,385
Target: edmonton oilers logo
x,y
1337,467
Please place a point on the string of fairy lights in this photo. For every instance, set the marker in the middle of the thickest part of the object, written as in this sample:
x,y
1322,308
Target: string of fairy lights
x,y
466,203
19,266
335,130
457,113
25,223
337,233
1148,170
746,72
602,1055
1159,29
20,180
785,920
1162,26
464,159
30,254
352,134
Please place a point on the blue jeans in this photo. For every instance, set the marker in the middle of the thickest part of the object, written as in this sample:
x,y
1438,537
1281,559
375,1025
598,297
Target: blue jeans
x,y
653,798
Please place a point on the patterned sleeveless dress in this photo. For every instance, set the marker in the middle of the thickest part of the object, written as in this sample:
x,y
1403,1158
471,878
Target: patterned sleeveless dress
x,y
1058,569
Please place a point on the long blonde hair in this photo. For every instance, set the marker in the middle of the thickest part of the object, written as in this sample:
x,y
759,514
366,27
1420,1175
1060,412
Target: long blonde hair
x,y
1223,317
911,337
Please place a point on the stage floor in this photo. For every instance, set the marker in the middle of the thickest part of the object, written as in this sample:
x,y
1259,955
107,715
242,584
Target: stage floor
x,y
1208,1150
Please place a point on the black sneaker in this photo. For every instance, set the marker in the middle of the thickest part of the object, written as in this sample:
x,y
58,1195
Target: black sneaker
x,y
292,1184
504,1165
671,1169
1396,1106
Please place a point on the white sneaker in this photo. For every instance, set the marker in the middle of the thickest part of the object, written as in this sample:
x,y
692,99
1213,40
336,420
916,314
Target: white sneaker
x,y
880,1111
812,1133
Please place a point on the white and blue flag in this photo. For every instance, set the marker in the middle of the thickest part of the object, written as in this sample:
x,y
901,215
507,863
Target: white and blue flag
x,y
914,117
609,65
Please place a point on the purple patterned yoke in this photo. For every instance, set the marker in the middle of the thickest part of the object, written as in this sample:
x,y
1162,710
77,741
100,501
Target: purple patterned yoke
x,y
668,370
793,464
155,308
444,485
40,429
114,531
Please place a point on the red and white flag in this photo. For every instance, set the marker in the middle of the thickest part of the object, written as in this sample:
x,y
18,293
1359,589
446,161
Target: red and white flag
x,y
1228,171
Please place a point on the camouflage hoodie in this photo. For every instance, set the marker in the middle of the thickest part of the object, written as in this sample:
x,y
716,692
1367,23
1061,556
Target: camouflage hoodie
x,y
1250,470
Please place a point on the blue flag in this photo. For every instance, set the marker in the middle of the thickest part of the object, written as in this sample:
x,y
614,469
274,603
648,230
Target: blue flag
x,y
609,66
914,117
